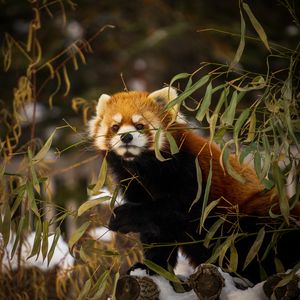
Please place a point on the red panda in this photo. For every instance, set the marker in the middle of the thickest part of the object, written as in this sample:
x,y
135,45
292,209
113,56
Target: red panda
x,y
160,194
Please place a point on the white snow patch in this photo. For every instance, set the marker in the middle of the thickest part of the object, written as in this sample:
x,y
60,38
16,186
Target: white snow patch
x,y
101,234
61,256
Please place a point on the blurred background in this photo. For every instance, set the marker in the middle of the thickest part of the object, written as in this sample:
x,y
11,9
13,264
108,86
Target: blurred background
x,y
147,43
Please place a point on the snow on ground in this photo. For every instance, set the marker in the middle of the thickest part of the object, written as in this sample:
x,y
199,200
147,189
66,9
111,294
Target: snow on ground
x,y
229,291
61,256
101,233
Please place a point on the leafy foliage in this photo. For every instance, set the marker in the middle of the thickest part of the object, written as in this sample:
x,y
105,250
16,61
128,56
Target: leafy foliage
x,y
256,114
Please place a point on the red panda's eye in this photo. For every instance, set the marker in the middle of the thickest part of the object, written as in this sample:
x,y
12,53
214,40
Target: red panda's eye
x,y
139,126
115,128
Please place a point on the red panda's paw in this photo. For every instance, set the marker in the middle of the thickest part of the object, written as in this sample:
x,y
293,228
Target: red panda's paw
x,y
129,218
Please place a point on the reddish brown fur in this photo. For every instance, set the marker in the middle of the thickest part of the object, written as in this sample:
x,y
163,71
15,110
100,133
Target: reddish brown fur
x,y
248,197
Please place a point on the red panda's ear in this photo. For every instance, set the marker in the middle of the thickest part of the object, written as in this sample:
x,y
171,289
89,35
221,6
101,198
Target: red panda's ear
x,y
101,104
163,96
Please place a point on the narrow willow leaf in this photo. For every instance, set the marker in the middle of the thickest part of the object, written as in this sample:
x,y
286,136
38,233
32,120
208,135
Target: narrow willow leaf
x,y
234,259
212,126
214,118
67,81
85,290
30,194
6,224
197,85
204,107
255,247
45,239
212,231
229,113
241,46
179,76
101,178
199,183
257,163
114,288
100,286
252,127
237,128
279,180
18,200
34,177
225,160
161,271
78,233
44,150
157,144
226,246
91,203
37,239
173,145
258,28
22,227
209,208
219,250
54,243
206,194
267,158
114,197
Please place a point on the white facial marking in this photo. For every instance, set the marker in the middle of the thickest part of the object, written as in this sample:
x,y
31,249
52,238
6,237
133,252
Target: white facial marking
x,y
117,118
134,147
136,118
100,138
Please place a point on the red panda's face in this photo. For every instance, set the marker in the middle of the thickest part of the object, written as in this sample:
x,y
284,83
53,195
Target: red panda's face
x,y
126,123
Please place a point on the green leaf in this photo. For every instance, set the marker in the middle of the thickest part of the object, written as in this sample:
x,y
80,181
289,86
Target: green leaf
x,y
30,193
234,259
45,239
114,197
91,203
34,177
44,150
156,146
85,290
18,200
206,194
101,178
161,271
22,227
241,46
173,145
205,103
237,127
252,127
114,287
179,76
279,180
258,28
6,224
37,239
229,113
220,251
199,183
212,231
255,247
225,156
54,243
78,233
197,85
257,163
100,286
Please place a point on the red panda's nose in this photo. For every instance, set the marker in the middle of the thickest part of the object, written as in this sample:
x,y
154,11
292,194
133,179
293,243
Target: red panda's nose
x,y
126,138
